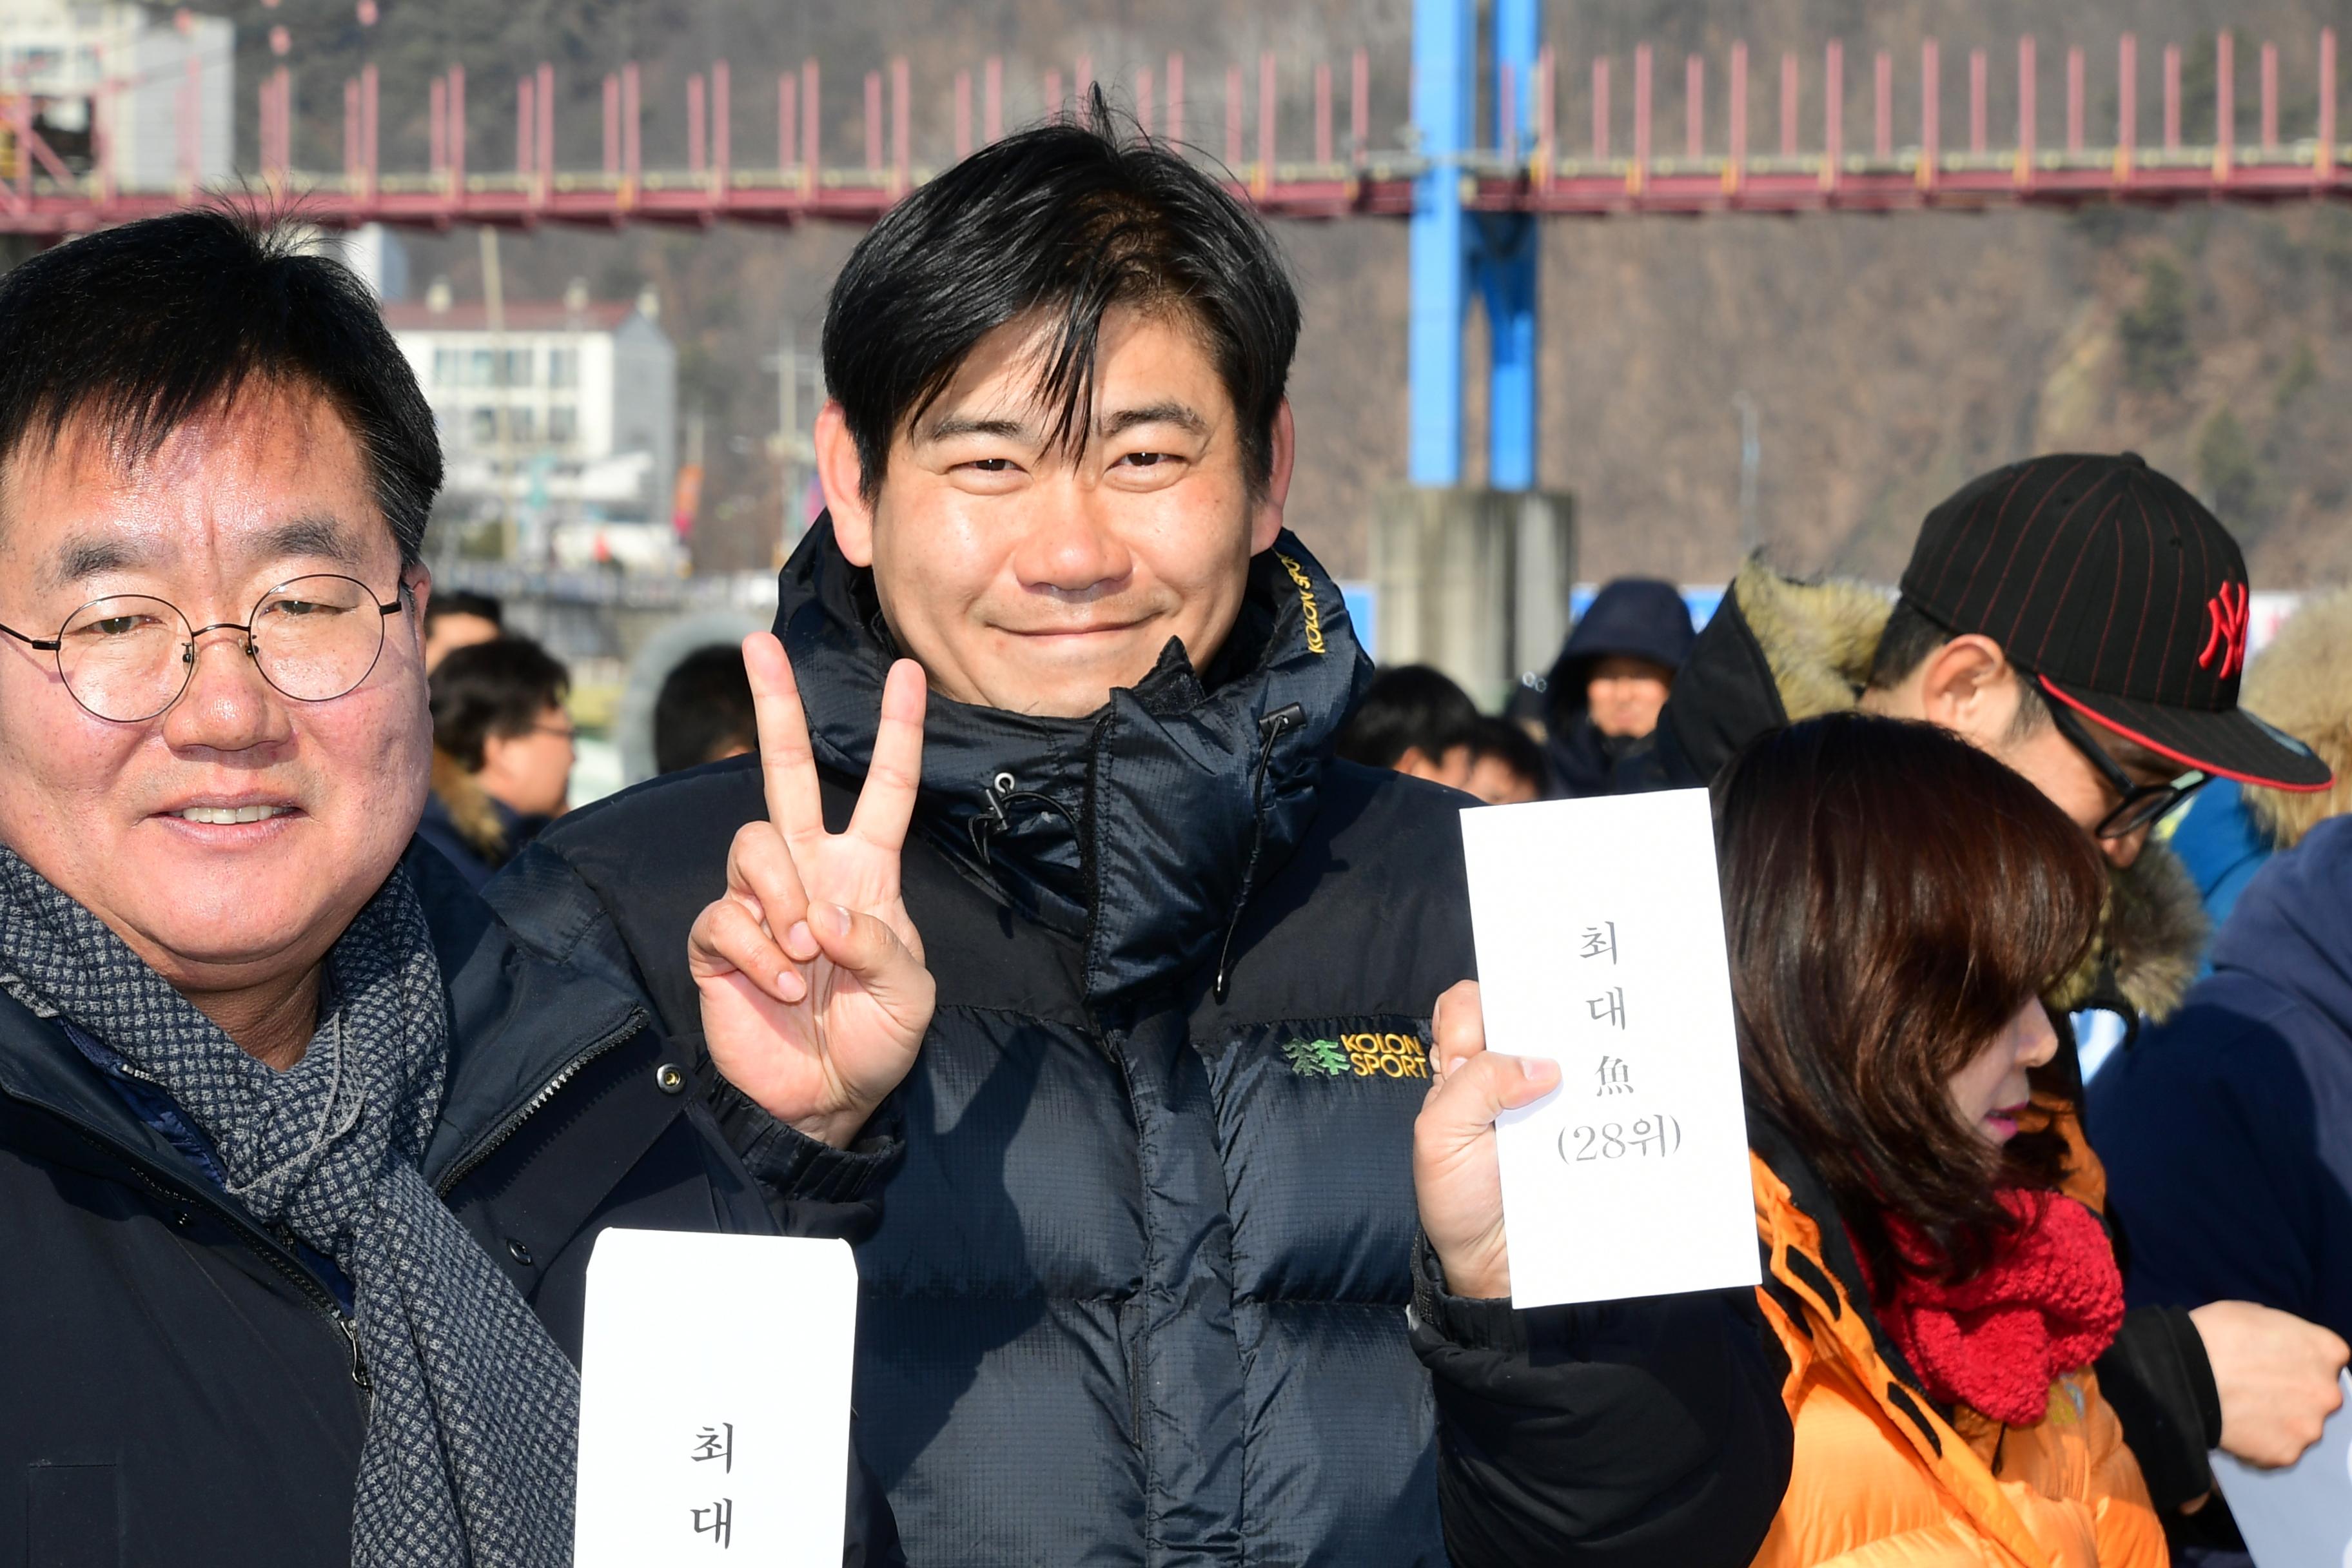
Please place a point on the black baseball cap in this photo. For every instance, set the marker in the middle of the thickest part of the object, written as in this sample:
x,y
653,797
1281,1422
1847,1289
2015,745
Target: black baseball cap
x,y
2120,596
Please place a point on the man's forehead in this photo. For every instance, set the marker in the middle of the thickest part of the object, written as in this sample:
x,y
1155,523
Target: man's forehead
x,y
268,474
256,421
1148,366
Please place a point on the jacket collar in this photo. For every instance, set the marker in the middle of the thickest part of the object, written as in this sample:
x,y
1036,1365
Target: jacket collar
x,y
41,1068
521,1021
1139,830
1839,1284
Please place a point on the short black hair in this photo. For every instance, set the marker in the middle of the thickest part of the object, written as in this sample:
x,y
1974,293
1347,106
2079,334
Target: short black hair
x,y
1411,707
145,327
1912,634
1068,219
463,602
495,687
704,709
1511,745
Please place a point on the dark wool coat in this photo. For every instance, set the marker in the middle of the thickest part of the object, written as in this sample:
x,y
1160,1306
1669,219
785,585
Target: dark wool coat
x,y
1140,1292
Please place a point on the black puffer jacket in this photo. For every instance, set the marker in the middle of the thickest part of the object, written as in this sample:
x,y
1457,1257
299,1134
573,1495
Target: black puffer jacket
x,y
179,1385
1139,1295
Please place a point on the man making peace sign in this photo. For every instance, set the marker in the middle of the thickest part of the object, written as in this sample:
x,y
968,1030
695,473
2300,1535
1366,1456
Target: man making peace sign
x,y
1140,1291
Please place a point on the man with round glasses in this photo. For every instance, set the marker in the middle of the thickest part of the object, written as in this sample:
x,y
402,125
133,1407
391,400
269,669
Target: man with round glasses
x,y
302,1152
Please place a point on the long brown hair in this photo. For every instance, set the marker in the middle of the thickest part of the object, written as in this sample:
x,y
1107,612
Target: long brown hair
x,y
1892,896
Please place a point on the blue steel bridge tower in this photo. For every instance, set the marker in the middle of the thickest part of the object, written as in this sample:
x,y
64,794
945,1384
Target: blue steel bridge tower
x,y
1458,255
1473,581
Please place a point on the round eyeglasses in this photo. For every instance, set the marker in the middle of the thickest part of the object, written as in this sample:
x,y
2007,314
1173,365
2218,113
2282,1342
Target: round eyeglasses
x,y
128,656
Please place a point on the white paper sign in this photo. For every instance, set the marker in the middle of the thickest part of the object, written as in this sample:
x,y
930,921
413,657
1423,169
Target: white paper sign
x,y
2299,1517
714,1400
1600,936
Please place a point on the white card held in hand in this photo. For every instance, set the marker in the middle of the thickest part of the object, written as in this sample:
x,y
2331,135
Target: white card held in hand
x,y
714,1400
1599,926
2301,1515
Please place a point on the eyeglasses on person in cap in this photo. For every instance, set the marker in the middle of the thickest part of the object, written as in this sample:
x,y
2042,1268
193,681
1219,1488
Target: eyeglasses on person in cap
x,y
2141,805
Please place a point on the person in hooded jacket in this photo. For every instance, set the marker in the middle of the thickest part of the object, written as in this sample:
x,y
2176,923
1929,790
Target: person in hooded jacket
x,y
1612,678
1936,1277
2102,663
1140,1291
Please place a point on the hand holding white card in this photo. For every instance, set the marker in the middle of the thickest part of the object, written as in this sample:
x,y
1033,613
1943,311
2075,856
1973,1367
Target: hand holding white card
x,y
2303,1514
714,1400
1599,926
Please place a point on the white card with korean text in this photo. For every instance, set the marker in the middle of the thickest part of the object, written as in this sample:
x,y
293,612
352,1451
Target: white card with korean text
x,y
714,1400
2303,1514
1599,926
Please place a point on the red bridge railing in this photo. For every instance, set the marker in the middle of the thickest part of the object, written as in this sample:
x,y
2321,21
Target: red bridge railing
x,y
1717,164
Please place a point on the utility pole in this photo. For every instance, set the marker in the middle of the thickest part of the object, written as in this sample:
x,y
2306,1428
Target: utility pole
x,y
1750,453
494,313
794,449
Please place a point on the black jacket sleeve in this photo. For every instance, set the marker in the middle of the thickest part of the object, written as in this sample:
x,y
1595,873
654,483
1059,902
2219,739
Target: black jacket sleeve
x,y
2158,1380
811,1187
1622,1434
1724,697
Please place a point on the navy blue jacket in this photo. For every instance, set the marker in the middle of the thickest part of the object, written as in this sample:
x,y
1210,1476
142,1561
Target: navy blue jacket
x,y
179,1384
2227,1130
1139,1293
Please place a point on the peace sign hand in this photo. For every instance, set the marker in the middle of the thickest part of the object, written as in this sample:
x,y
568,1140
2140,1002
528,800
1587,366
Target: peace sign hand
x,y
815,997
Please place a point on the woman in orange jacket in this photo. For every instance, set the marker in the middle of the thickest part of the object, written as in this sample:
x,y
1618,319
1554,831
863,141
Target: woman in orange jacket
x,y
1938,1282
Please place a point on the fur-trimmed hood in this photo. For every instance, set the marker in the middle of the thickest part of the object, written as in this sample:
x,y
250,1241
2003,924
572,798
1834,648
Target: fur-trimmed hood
x,y
2302,684
1818,639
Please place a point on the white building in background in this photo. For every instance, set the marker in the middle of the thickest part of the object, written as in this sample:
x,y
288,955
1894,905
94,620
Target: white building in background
x,y
128,84
376,255
565,419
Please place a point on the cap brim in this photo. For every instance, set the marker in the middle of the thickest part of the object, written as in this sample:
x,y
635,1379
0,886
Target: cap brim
x,y
2231,746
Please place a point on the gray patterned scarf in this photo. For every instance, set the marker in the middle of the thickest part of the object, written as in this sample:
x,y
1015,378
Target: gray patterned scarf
x,y
467,1461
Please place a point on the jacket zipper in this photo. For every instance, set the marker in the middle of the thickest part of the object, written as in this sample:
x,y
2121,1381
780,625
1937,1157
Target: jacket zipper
x,y
630,1027
316,1295
300,1276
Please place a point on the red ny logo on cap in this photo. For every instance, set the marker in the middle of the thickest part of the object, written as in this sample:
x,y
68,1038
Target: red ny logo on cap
x,y
2227,612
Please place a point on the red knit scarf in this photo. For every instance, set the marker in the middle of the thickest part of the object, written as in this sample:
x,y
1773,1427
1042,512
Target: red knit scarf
x,y
2047,1305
